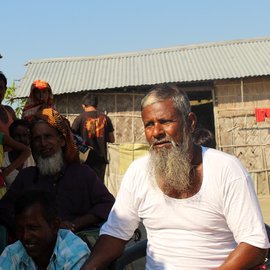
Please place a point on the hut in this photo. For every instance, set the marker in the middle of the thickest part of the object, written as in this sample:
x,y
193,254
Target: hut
x,y
228,84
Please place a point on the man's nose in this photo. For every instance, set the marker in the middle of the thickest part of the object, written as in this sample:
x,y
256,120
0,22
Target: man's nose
x,y
25,235
43,141
158,131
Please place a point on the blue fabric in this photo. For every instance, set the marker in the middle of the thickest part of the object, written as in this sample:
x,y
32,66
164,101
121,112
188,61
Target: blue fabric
x,y
70,252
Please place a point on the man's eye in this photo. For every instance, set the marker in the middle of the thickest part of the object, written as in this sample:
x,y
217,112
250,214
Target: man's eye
x,y
149,124
165,121
33,228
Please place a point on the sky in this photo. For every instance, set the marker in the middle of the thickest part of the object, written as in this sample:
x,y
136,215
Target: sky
x,y
36,29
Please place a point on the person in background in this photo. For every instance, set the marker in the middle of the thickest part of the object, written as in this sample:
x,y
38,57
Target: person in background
x,y
7,114
42,244
83,200
23,153
40,97
19,130
198,204
204,137
96,129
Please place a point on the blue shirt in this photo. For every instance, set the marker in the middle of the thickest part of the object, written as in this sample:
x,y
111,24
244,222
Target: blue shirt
x,y
70,252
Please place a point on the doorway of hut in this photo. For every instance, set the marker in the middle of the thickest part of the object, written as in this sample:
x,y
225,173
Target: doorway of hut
x,y
202,106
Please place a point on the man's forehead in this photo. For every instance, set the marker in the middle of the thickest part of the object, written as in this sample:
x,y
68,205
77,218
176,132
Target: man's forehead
x,y
160,105
42,126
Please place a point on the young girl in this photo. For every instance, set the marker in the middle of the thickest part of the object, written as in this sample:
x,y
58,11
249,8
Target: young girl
x,y
40,97
25,152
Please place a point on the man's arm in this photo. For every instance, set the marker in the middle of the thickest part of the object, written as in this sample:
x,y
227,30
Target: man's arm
x,y
75,127
245,256
80,222
105,251
25,152
111,137
11,111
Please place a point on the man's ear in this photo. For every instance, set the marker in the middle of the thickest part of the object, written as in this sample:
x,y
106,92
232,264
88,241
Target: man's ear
x,y
192,121
55,225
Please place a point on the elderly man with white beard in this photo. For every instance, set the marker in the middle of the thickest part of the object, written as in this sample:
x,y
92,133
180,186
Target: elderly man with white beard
x,y
197,204
83,200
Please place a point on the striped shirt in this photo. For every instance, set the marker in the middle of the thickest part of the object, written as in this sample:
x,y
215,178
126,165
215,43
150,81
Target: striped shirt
x,y
70,252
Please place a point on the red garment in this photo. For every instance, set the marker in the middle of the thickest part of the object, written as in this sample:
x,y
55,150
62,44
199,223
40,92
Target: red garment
x,y
33,104
261,114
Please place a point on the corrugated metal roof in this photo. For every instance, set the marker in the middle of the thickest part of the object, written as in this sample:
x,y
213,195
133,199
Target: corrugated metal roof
x,y
200,62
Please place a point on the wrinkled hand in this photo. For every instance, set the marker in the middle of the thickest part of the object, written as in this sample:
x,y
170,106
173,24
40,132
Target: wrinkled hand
x,y
68,225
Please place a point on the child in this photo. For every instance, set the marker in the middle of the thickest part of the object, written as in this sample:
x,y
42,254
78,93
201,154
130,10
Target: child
x,y
40,97
24,154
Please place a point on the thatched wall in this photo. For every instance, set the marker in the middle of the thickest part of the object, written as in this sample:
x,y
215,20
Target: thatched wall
x,y
124,111
122,108
237,131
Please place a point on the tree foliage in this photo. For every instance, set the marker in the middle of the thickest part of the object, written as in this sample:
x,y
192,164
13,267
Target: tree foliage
x,y
11,100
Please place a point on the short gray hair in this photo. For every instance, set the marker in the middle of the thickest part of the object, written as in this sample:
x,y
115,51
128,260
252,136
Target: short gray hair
x,y
165,91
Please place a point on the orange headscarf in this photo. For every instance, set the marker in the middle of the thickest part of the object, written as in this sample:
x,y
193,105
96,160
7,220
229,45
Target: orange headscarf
x,y
57,121
33,104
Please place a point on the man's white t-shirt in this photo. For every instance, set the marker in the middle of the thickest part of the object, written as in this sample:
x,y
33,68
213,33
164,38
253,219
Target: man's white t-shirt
x,y
194,233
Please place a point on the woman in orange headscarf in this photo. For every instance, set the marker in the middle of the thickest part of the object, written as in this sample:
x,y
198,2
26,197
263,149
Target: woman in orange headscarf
x,y
40,97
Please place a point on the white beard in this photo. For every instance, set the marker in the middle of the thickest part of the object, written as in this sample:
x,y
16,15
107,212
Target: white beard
x,y
171,167
50,165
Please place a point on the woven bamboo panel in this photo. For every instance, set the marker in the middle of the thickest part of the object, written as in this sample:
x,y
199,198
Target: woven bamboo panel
x,y
69,104
261,183
238,132
124,103
266,150
251,157
124,129
225,131
139,130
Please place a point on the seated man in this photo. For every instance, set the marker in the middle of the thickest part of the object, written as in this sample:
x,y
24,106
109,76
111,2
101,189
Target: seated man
x,y
83,200
41,244
197,204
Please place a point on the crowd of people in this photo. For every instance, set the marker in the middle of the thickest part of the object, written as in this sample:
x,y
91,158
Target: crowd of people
x,y
198,214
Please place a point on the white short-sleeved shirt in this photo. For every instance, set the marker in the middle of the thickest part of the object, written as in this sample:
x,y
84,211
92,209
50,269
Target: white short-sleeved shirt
x,y
194,233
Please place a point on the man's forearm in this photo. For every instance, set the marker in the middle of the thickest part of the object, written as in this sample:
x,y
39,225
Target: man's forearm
x,y
105,251
244,257
85,221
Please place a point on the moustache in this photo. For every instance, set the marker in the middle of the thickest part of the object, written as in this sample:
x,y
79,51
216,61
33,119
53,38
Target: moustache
x,y
156,141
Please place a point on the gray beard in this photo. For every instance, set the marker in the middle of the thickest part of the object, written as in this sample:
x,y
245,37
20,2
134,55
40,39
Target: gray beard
x,y
50,165
171,167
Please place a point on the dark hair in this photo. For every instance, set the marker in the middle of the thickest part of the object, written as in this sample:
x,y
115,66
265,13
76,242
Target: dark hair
x,y
45,198
204,137
3,78
90,100
17,123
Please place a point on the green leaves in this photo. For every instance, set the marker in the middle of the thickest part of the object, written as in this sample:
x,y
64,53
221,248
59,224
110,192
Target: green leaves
x,y
11,100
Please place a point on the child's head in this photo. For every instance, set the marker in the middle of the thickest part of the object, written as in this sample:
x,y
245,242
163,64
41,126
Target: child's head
x,y
41,91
